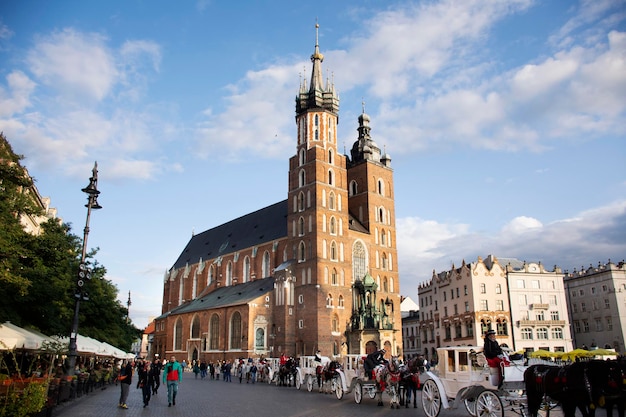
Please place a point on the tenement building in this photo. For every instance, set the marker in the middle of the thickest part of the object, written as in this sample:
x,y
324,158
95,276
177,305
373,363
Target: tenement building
x,y
315,271
597,300
522,302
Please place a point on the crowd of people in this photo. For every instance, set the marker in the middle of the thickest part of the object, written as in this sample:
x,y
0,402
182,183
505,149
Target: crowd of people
x,y
150,375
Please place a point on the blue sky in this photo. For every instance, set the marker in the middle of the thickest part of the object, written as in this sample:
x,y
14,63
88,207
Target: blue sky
x,y
505,121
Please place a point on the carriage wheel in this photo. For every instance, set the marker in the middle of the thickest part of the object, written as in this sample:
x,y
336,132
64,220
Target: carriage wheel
x,y
470,406
298,382
488,404
337,388
358,392
372,391
431,398
309,383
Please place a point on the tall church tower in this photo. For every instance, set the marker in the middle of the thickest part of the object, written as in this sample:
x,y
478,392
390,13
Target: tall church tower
x,y
314,291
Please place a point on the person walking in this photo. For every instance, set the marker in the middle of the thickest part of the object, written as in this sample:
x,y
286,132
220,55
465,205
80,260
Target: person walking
x,y
253,370
145,382
125,378
172,376
155,370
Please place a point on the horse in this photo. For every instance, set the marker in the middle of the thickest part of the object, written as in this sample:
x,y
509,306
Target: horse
x,y
581,385
286,371
614,394
388,380
326,373
410,381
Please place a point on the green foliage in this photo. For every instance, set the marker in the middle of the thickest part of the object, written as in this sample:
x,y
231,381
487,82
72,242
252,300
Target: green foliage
x,y
38,273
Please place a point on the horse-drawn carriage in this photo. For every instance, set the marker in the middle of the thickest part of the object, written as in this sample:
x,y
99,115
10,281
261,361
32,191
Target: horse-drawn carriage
x,y
323,375
464,376
530,388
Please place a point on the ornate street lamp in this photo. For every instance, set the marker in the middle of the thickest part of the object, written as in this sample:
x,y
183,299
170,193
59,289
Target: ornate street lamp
x,y
84,273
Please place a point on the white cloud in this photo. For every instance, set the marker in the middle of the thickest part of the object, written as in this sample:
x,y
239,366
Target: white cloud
x,y
594,235
78,64
17,98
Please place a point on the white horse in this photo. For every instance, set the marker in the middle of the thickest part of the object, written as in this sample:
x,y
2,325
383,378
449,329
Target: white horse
x,y
388,380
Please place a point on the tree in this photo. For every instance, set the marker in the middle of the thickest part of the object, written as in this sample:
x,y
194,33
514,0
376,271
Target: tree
x,y
38,272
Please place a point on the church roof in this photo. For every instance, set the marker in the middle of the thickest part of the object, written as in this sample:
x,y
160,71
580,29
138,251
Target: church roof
x,y
261,226
227,296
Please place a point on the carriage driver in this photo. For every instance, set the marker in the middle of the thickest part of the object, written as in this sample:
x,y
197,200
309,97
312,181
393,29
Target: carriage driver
x,y
372,361
494,354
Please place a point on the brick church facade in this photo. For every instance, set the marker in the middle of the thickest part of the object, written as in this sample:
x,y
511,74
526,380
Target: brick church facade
x,y
318,270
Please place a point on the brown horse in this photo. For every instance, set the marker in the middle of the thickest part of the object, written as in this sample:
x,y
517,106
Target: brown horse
x,y
410,381
326,373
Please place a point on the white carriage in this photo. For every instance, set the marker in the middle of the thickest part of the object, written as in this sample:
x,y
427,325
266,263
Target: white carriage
x,y
307,375
464,376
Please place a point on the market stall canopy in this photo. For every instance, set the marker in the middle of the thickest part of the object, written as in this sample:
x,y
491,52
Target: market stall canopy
x,y
576,353
542,353
15,337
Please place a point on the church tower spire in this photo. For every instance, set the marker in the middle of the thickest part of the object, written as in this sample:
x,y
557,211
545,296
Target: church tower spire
x,y
317,96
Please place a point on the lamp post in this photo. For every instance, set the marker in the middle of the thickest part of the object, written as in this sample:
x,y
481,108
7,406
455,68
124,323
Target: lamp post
x,y
84,273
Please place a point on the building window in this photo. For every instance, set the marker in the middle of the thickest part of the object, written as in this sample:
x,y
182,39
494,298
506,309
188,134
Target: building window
x,y
214,332
333,251
577,326
333,277
340,302
609,323
259,339
552,299
499,305
457,332
484,306
467,306
335,324
522,299
501,328
539,315
598,325
178,335
358,261
483,288
301,226
266,264
301,252
585,326
542,333
554,315
329,301
535,284
465,289
527,333
520,283
583,307
235,331
498,289
195,328
469,327
557,333
246,269
607,303
300,324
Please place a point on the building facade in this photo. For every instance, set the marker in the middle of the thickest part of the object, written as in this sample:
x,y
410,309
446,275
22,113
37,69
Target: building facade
x,y
411,346
597,305
316,271
523,303
538,305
